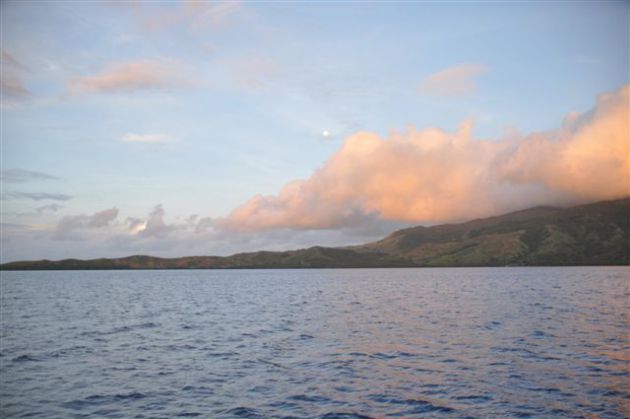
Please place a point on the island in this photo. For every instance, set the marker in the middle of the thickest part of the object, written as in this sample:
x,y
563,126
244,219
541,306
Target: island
x,y
591,234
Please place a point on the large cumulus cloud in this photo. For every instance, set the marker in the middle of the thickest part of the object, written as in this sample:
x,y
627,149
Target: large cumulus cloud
x,y
435,176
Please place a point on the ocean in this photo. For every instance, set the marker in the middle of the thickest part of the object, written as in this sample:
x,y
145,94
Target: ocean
x,y
329,343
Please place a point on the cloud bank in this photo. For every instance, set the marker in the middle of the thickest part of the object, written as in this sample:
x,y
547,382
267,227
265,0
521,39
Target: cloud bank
x,y
436,176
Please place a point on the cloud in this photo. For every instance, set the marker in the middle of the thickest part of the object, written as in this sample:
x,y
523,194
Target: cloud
x,y
135,225
454,81
128,76
254,71
37,196
155,225
102,218
5,227
147,138
48,208
100,235
11,85
211,14
435,176
584,59
22,175
70,223
9,60
192,15
204,224
39,211
589,158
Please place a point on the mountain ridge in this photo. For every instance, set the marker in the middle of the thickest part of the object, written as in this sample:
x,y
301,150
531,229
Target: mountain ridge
x,y
591,234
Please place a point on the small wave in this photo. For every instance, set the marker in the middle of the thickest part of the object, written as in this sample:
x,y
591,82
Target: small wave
x,y
198,389
243,412
519,414
424,406
335,415
25,358
434,392
69,351
419,405
382,355
474,398
275,364
221,354
310,399
117,397
121,329
615,393
356,354
491,325
385,355
99,399
183,347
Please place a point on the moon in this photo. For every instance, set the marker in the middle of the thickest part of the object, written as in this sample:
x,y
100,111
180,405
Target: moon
x,y
325,133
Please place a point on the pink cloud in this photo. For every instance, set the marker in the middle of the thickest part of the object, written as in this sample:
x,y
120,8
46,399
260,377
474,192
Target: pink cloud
x,y
436,176
191,15
127,76
13,87
588,158
454,81
11,84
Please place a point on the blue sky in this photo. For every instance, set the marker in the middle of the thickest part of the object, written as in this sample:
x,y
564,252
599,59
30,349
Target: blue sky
x,y
198,106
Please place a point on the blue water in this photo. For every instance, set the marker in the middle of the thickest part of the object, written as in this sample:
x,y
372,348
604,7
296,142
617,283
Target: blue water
x,y
497,342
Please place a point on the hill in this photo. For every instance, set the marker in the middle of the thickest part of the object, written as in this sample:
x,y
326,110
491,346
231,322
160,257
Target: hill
x,y
593,234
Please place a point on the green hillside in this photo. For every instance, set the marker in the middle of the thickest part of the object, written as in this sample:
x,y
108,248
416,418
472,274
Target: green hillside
x,y
594,234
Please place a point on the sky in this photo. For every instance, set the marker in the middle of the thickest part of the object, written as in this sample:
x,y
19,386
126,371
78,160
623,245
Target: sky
x,y
198,128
